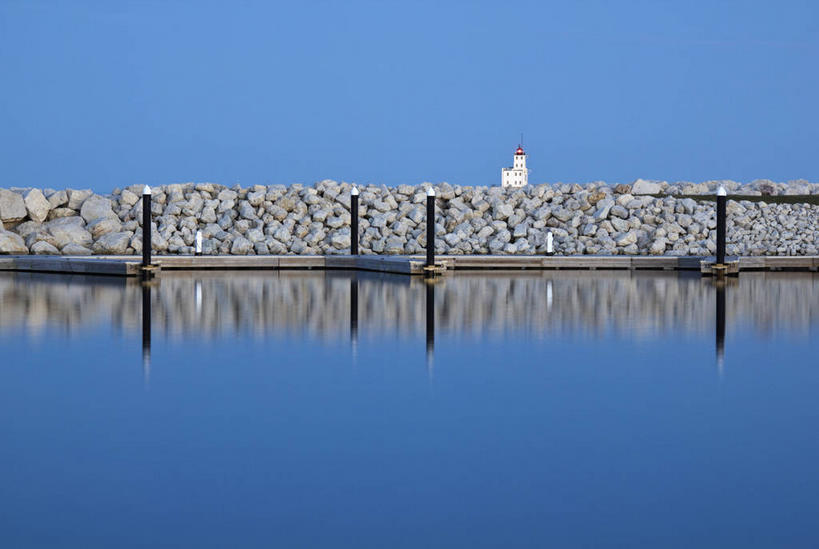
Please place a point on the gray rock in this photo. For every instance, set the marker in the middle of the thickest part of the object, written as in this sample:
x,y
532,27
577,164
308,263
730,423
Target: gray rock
x,y
36,205
77,197
247,211
69,230
626,238
208,215
103,225
128,198
11,243
112,243
95,207
658,246
502,211
75,249
394,245
641,186
340,239
241,246
226,194
256,198
57,199
44,248
619,211
603,208
521,230
12,206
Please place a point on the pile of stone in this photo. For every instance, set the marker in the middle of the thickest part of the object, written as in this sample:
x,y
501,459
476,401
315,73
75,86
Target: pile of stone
x,y
758,187
596,218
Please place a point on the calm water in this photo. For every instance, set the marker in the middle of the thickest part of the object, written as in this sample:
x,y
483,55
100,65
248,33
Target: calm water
x,y
530,410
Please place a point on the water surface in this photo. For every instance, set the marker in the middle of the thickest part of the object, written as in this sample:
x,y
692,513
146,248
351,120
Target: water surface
x,y
563,409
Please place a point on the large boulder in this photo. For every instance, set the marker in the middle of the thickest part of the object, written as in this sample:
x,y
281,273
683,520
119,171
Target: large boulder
x,y
41,247
340,239
128,198
103,225
11,243
626,239
96,207
36,205
27,227
57,199
75,249
241,246
12,207
113,243
641,186
38,236
77,197
69,230
604,206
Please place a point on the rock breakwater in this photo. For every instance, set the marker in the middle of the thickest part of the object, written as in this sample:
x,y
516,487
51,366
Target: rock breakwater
x,y
643,218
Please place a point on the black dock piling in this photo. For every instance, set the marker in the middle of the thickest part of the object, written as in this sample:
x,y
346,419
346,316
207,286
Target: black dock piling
x,y
721,202
146,226
147,268
354,221
720,267
430,228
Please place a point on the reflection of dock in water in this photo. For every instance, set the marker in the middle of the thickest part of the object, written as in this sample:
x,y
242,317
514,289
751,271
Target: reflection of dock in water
x,y
468,305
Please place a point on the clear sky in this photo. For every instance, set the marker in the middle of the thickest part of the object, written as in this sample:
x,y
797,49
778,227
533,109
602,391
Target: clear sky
x,y
107,94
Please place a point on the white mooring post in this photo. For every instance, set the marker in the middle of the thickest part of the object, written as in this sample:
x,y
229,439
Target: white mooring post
x,y
198,243
549,244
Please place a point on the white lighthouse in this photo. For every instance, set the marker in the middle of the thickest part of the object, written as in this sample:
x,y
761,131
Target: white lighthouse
x,y
517,175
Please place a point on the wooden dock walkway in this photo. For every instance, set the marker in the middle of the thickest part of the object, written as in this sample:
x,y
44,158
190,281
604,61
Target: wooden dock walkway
x,y
408,265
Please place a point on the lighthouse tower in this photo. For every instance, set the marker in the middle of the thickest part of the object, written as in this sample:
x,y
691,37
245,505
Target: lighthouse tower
x,y
518,174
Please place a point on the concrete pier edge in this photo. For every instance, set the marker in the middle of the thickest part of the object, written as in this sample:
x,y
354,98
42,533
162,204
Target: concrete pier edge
x,y
407,265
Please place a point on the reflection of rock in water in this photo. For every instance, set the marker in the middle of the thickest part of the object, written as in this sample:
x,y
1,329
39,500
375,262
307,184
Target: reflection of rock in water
x,y
466,305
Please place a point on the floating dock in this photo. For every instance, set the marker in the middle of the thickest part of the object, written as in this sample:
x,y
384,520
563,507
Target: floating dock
x,y
408,265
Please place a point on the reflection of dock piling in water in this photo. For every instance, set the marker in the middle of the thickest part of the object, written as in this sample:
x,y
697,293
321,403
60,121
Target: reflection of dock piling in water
x,y
354,311
720,325
430,318
146,331
631,304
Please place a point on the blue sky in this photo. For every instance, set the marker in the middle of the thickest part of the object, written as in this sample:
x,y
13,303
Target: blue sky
x,y
107,94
